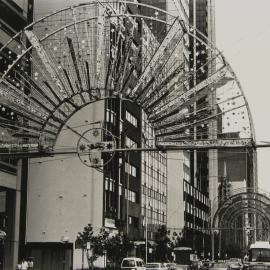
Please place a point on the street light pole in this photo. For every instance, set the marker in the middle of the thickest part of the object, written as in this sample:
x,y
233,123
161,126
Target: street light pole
x,y
146,231
203,240
146,237
127,189
213,244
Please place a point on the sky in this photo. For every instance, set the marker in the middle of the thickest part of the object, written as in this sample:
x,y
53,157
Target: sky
x,y
243,35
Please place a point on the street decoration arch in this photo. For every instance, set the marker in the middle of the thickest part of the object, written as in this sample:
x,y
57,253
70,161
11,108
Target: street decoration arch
x,y
108,49
247,198
249,206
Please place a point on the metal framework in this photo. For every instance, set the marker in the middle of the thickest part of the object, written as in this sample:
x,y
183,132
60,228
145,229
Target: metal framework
x,y
91,52
245,197
249,206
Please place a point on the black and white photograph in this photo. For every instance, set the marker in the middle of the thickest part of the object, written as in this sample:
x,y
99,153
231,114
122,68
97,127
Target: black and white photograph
x,y
134,134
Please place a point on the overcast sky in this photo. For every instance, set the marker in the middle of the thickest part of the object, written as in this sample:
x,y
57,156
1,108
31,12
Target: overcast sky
x,y
243,34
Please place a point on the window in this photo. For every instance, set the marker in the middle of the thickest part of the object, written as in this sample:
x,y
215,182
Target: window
x,y
109,184
131,119
128,263
110,116
132,196
130,143
140,264
130,169
133,221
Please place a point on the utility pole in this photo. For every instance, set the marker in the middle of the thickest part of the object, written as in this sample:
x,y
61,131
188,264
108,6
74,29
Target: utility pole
x,y
146,237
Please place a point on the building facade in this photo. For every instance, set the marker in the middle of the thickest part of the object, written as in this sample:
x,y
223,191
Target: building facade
x,y
191,220
14,15
115,197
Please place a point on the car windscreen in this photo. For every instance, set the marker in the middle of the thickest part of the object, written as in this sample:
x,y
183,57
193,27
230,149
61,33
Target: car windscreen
x,y
128,263
260,255
140,263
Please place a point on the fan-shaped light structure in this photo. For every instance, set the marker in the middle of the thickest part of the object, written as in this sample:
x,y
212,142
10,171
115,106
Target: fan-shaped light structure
x,y
99,50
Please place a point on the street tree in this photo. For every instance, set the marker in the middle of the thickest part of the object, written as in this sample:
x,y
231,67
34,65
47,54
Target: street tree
x,y
96,243
164,246
117,247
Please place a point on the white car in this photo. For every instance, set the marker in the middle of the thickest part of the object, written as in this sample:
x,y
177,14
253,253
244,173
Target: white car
x,y
133,263
156,266
170,266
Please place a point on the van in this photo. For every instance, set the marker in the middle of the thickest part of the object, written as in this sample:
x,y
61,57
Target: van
x,y
133,263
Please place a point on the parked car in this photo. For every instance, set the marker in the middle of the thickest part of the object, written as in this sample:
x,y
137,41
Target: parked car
x,y
204,265
170,266
133,263
220,266
234,266
183,267
156,266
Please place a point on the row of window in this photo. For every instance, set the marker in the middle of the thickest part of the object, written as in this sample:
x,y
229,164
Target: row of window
x,y
157,206
129,143
132,196
154,217
109,184
151,203
110,116
156,159
158,173
155,185
189,189
131,119
155,194
197,227
130,169
197,212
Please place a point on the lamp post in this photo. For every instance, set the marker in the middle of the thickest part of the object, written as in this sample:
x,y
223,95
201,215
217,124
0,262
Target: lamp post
x,y
146,233
146,237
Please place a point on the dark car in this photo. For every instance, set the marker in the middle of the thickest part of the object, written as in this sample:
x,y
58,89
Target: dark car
x,y
204,265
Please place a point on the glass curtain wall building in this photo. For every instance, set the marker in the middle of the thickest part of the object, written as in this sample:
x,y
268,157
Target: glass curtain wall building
x,y
154,164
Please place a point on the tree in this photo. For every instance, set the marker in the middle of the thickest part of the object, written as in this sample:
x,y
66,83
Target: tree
x,y
164,246
117,248
97,243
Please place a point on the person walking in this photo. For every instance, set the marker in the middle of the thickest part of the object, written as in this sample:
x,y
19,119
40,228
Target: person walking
x,y
24,265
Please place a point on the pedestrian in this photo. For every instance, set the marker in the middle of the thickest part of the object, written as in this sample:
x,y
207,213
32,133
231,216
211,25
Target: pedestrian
x,y
24,265
30,264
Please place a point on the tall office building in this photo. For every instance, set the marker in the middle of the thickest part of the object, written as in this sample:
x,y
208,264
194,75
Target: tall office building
x,y
14,16
116,197
207,168
189,218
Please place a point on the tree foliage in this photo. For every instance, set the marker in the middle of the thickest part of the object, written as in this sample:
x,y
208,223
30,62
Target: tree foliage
x,y
164,246
116,247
